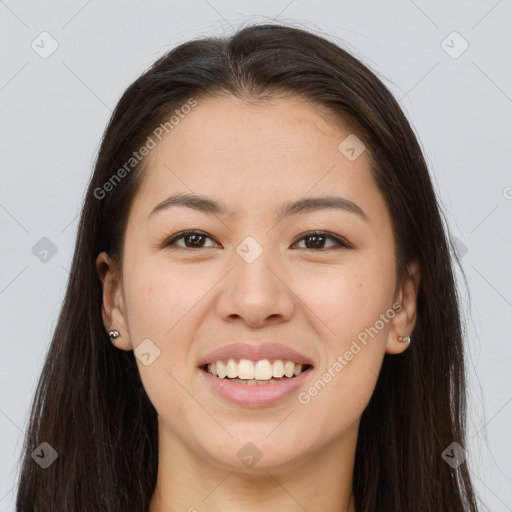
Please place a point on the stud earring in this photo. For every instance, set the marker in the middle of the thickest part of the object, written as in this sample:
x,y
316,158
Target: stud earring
x,y
114,334
405,339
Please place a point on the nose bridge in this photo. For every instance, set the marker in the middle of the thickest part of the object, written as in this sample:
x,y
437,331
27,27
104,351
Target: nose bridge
x,y
253,260
255,291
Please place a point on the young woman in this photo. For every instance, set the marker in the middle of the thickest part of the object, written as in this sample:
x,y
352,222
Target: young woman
x,y
261,309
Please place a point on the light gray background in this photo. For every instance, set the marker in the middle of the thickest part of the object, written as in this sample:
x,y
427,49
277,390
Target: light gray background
x,y
54,110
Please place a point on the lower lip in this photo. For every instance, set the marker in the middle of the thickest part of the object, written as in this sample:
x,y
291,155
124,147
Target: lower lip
x,y
258,395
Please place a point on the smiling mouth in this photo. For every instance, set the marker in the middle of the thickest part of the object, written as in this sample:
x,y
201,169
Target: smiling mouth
x,y
253,373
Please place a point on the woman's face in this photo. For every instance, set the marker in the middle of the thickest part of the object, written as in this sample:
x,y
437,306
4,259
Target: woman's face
x,y
253,276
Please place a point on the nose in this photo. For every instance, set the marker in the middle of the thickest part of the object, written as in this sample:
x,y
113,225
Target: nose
x,y
257,294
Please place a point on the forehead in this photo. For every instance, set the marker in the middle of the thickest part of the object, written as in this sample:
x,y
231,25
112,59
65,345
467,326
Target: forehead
x,y
251,153
227,125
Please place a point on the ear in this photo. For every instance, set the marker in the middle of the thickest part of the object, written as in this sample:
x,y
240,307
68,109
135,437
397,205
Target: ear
x,y
404,320
113,308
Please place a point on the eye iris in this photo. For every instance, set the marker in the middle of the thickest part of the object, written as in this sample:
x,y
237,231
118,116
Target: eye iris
x,y
317,241
195,238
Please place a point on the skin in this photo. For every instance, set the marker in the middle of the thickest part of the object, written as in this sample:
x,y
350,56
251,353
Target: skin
x,y
254,157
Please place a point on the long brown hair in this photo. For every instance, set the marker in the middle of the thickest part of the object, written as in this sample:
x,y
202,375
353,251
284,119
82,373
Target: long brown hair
x,y
90,405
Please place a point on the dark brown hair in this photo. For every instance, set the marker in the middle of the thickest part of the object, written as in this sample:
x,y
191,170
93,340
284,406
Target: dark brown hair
x,y
90,405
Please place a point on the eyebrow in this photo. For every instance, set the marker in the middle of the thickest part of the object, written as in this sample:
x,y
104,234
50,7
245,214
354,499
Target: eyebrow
x,y
304,205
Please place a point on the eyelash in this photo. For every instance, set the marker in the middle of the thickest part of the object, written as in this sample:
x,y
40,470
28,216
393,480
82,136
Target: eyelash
x,y
341,243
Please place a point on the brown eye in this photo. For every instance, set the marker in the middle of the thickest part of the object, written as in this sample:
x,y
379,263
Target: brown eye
x,y
192,240
317,239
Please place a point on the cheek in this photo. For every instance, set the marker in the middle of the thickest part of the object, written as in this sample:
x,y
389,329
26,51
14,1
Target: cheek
x,y
347,299
349,303
353,348
158,297
164,306
160,304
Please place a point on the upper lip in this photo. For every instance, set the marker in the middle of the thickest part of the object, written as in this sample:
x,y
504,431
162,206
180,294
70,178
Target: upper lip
x,y
267,350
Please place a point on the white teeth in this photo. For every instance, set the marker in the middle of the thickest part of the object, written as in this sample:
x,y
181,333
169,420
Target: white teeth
x,y
231,369
289,368
221,369
261,371
278,369
245,369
